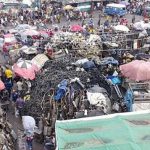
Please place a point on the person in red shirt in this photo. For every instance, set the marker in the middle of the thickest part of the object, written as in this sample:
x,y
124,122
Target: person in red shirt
x,y
6,52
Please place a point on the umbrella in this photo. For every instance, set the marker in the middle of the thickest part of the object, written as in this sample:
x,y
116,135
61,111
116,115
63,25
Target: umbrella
x,y
76,28
9,38
141,25
121,28
68,7
2,86
25,69
31,32
25,27
137,70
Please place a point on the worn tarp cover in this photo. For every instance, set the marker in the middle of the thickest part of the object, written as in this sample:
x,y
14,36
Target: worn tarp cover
x,y
128,131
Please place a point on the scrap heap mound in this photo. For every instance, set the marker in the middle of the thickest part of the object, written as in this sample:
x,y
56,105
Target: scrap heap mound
x,y
7,135
54,72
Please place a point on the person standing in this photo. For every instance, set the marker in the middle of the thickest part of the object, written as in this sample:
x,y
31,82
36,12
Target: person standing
x,y
21,18
20,105
20,86
6,53
29,139
83,22
8,73
8,85
99,20
133,19
14,96
2,75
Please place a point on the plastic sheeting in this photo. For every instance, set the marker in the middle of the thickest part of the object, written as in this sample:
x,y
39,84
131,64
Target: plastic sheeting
x,y
114,79
128,98
127,131
97,96
40,60
28,123
109,60
141,106
62,87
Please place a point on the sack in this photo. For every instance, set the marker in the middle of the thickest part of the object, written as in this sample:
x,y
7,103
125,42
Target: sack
x,y
28,123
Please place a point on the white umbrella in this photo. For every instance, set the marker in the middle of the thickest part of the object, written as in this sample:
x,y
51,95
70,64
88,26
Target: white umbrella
x,y
121,28
25,27
31,33
24,64
9,38
28,123
25,69
141,25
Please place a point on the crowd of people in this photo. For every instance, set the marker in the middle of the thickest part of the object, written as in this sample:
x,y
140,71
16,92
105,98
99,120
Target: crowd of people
x,y
54,13
16,88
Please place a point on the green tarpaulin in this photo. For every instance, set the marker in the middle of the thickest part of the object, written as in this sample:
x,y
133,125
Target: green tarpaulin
x,y
130,131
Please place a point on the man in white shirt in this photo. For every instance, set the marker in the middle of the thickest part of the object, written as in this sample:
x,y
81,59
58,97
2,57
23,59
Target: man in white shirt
x,y
20,86
21,18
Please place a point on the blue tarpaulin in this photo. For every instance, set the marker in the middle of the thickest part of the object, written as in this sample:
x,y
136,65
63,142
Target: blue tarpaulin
x,y
128,98
62,87
109,60
115,79
88,65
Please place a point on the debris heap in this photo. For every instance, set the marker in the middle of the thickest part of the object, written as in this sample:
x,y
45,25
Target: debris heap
x,y
7,135
54,72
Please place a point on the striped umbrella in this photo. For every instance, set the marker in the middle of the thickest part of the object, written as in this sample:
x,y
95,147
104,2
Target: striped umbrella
x,y
25,69
24,64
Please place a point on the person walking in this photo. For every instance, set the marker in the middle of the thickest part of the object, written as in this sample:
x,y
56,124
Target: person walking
x,y
20,86
133,19
20,105
8,85
14,96
99,20
29,139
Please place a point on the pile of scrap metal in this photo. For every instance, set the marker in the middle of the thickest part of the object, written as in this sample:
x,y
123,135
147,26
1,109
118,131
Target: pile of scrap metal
x,y
71,87
7,134
53,73
112,41
76,44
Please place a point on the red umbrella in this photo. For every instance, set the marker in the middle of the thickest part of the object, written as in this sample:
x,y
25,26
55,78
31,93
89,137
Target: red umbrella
x,y
2,86
25,69
137,70
76,28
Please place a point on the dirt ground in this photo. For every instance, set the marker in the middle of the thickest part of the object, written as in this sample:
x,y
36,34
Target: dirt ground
x,y
17,125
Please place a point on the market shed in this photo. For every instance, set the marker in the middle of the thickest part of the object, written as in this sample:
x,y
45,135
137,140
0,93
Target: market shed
x,y
128,131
